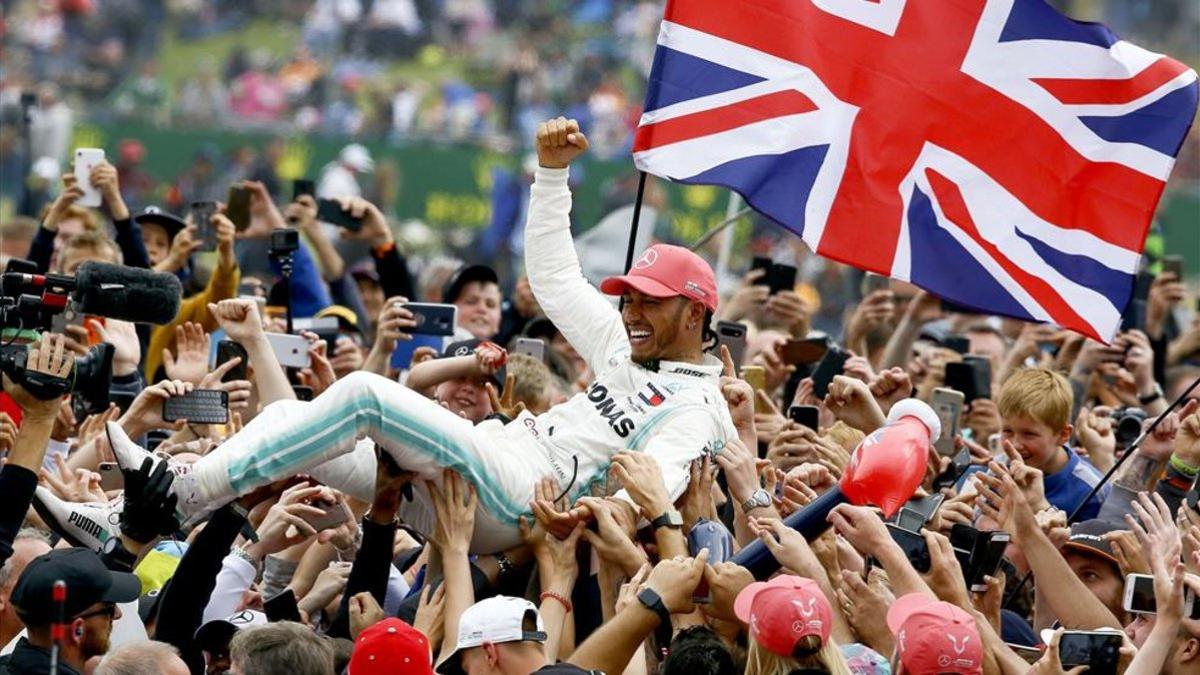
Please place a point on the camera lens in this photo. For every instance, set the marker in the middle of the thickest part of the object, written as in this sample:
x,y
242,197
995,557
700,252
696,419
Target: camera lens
x,y
1128,426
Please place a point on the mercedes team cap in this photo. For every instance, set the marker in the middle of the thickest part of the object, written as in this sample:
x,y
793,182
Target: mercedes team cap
x,y
467,348
495,620
935,637
214,636
465,275
665,271
88,582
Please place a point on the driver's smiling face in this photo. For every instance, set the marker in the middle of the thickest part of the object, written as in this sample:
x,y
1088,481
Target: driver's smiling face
x,y
654,325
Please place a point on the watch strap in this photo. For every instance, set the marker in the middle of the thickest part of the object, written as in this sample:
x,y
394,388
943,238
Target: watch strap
x,y
1152,396
670,518
653,601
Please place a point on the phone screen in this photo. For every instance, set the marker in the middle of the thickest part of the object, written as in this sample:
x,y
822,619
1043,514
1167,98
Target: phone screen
x,y
1139,594
910,520
1099,651
914,547
831,365
201,214
237,207
989,549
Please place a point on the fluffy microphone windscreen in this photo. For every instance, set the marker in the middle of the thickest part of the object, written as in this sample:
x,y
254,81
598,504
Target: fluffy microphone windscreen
x,y
127,293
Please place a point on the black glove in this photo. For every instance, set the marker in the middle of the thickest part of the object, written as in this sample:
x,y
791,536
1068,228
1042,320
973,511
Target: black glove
x,y
149,508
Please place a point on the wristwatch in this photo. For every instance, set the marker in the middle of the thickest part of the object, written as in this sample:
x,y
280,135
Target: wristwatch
x,y
671,518
654,603
1153,396
115,551
760,499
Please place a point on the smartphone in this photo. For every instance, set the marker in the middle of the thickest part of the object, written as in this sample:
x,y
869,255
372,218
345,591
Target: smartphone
x,y
531,346
783,278
803,352
325,327
983,374
332,515
831,365
958,343
957,467
907,519
111,477
1173,264
303,186
756,377
1098,650
913,545
227,350
402,355
302,392
963,539
733,336
985,559
1030,655
433,319
330,211
198,406
87,159
122,399
1139,597
872,282
764,264
201,214
237,207
1134,317
962,377
925,506
994,446
805,416
948,405
282,607
290,350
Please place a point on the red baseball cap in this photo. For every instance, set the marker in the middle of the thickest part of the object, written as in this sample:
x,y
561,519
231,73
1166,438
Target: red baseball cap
x,y
391,646
665,271
783,610
935,637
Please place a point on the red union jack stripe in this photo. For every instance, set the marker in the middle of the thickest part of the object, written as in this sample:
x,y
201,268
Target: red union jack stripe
x,y
994,152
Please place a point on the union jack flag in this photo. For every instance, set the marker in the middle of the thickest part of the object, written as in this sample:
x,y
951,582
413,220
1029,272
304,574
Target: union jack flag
x,y
993,152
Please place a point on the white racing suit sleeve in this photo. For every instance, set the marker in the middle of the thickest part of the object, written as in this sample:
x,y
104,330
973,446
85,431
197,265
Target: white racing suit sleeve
x,y
233,581
687,436
589,322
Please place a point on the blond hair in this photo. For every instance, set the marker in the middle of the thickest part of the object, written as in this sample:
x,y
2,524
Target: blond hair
x,y
1039,394
532,381
761,661
91,240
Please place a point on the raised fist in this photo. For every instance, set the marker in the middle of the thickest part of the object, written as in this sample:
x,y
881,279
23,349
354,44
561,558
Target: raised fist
x,y
559,142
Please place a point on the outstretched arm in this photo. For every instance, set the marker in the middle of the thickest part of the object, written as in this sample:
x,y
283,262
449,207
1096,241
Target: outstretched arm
x,y
585,317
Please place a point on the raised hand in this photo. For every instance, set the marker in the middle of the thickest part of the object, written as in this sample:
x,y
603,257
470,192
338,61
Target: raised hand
x,y
192,344
454,504
239,318
851,401
507,404
559,141
675,579
641,476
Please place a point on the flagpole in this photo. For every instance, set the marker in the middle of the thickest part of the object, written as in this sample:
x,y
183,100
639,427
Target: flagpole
x,y
637,215
725,252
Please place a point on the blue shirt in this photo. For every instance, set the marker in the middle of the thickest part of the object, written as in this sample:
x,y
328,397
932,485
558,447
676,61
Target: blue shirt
x,y
1069,486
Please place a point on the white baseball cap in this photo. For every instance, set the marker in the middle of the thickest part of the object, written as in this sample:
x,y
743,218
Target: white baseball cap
x,y
495,620
357,157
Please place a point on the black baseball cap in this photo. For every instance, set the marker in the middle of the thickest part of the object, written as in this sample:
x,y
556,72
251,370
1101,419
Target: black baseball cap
x,y
152,215
465,275
1088,537
541,328
467,348
88,582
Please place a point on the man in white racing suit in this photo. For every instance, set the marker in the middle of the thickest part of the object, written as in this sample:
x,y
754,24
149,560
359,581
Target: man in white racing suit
x,y
655,391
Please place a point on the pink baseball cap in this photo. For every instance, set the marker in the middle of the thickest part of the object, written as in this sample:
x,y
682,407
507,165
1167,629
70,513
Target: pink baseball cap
x,y
783,610
665,271
935,637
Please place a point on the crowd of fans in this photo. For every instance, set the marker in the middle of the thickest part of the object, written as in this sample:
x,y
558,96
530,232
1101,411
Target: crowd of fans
x,y
299,572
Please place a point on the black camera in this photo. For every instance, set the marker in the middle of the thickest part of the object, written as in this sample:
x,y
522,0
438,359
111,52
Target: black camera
x,y
284,242
89,378
1127,425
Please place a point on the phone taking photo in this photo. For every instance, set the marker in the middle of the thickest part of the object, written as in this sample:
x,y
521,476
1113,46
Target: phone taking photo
x,y
1139,597
733,336
914,546
1100,651
948,405
531,347
805,416
237,207
331,211
830,366
87,159
985,559
200,214
433,318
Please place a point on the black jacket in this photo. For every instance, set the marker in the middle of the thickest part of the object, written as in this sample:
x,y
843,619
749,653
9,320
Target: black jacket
x,y
26,659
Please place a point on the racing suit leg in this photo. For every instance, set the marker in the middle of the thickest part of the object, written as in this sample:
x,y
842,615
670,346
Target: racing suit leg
x,y
291,437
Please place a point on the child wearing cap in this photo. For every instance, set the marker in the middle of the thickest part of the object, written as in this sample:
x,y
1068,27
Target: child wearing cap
x,y
790,620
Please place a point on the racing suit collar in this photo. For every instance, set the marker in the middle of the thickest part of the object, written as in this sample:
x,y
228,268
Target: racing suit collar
x,y
711,368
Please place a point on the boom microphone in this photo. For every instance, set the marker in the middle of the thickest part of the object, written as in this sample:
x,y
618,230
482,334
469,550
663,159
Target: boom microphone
x,y
127,293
